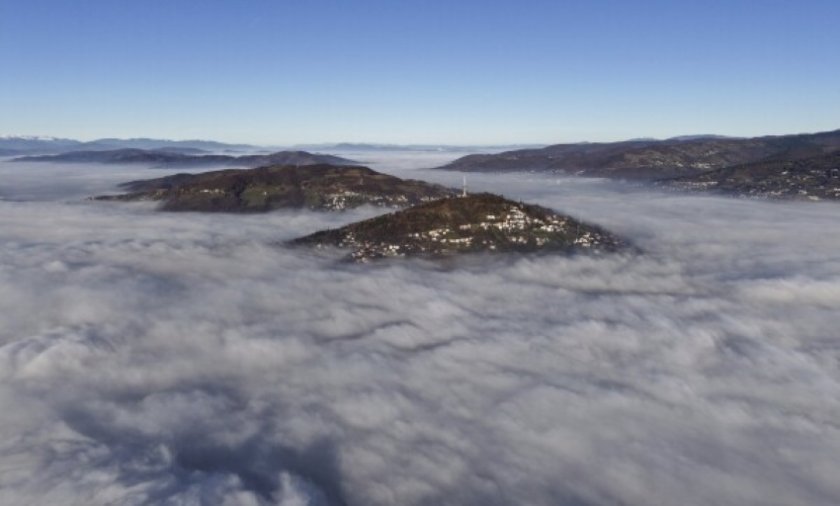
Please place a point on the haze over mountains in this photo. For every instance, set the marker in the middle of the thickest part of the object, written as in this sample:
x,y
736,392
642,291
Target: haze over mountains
x,y
365,146
168,158
21,145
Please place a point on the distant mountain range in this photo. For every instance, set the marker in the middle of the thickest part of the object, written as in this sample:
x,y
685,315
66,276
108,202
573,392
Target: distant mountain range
x,y
23,145
33,145
652,159
176,157
785,166
447,148
479,223
316,187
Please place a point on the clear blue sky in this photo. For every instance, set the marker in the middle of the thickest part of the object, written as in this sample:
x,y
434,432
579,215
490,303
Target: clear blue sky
x,y
402,71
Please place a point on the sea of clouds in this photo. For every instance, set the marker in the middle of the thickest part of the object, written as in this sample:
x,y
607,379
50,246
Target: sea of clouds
x,y
152,358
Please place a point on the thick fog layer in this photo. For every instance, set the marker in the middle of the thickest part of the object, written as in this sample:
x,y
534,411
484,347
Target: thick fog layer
x,y
150,358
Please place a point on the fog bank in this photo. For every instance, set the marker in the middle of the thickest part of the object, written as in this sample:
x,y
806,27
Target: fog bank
x,y
151,358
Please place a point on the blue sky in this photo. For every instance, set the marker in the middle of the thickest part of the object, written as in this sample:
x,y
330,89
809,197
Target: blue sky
x,y
402,71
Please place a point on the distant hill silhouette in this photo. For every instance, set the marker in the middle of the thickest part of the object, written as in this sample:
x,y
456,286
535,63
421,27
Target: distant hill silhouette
x,y
23,145
178,158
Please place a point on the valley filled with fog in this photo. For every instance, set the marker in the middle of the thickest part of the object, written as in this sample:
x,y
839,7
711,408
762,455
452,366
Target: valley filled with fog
x,y
182,358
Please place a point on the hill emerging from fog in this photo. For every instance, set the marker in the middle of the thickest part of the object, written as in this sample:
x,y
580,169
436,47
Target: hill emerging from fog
x,y
471,224
813,178
177,158
652,159
317,187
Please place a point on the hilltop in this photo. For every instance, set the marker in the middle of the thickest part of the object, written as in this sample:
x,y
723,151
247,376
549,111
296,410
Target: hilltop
x,y
472,224
319,187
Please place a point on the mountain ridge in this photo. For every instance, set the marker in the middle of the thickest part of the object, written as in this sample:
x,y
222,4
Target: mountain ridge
x,y
34,144
178,157
650,159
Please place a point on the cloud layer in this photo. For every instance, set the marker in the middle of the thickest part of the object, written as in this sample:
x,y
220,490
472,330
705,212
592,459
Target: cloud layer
x,y
148,358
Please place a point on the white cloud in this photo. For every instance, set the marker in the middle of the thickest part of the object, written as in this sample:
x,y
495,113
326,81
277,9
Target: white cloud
x,y
150,358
